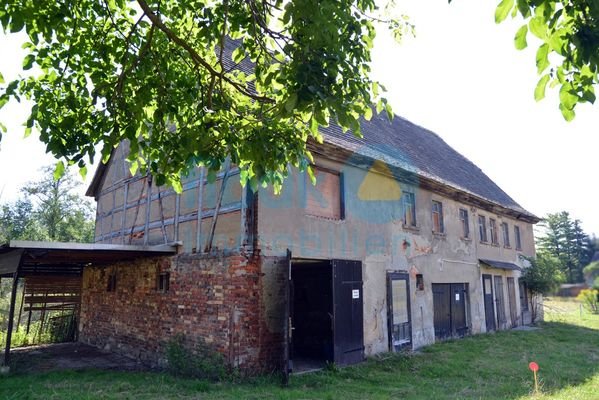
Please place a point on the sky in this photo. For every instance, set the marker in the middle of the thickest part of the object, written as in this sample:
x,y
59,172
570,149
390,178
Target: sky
x,y
460,77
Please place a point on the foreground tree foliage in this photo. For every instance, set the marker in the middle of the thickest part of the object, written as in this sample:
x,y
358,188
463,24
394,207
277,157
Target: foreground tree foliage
x,y
48,210
542,276
155,73
568,54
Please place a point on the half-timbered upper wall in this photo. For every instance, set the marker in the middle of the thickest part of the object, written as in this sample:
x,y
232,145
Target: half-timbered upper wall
x,y
124,217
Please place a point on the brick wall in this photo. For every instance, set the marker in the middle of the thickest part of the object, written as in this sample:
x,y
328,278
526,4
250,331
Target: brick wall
x,y
226,300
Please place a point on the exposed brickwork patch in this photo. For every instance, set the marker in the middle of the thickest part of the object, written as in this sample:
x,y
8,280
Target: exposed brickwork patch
x,y
221,299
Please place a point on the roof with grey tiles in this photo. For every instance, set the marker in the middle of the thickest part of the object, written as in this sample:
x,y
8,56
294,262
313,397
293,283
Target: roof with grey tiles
x,y
403,144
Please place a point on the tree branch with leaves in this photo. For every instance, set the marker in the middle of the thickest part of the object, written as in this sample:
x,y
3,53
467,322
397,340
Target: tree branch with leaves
x,y
160,75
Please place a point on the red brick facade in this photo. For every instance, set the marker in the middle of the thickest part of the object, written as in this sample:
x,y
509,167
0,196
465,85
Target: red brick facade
x,y
226,300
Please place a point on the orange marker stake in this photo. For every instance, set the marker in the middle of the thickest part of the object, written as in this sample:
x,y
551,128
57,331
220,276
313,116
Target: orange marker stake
x,y
534,367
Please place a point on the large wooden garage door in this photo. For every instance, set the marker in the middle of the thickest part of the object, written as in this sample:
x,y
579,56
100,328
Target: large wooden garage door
x,y
449,306
348,312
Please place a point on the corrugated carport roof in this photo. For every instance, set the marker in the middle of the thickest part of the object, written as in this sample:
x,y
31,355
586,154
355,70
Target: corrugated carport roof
x,y
56,258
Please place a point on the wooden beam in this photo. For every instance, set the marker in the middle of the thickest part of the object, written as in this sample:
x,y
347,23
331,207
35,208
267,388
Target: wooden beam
x,y
200,205
11,317
148,210
124,216
177,211
219,200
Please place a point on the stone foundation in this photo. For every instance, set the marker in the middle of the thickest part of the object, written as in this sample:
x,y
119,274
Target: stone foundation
x,y
225,300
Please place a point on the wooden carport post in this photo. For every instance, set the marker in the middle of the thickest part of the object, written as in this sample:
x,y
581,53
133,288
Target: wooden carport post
x,y
11,317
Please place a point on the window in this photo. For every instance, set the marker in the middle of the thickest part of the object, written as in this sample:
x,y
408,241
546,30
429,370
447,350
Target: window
x,y
506,234
517,238
482,228
111,282
438,217
419,282
163,281
493,229
465,223
325,198
409,209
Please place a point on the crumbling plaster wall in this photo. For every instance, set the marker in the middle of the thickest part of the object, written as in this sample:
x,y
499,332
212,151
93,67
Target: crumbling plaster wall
x,y
373,232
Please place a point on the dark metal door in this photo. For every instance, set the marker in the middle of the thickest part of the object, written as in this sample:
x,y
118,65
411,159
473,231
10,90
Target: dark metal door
x,y
398,311
489,304
348,323
511,290
459,325
442,310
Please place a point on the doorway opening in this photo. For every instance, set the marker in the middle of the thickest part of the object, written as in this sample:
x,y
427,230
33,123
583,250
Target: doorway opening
x,y
311,314
326,317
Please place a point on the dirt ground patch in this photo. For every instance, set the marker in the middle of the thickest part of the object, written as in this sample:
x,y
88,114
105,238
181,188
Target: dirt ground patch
x,y
68,356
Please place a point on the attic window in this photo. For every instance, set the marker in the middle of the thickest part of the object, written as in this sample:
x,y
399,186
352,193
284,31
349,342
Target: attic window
x,y
163,282
325,198
111,287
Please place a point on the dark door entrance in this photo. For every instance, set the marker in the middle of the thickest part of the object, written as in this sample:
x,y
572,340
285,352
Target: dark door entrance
x,y
326,313
449,305
511,290
489,304
398,301
348,323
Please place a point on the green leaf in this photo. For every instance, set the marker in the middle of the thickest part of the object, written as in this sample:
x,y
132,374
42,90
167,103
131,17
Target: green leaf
x,y
538,27
557,42
2,127
389,111
567,113
542,58
368,113
2,78
59,170
27,132
502,10
28,61
133,166
524,8
83,172
541,86
291,102
311,175
520,39
567,97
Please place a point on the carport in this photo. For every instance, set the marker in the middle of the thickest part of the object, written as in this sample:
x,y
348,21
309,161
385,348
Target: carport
x,y
52,273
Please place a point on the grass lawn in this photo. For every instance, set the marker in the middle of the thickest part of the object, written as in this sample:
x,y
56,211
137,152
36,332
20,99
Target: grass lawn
x,y
491,366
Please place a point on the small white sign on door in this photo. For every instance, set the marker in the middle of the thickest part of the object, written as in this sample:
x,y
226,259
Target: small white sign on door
x,y
355,294
457,297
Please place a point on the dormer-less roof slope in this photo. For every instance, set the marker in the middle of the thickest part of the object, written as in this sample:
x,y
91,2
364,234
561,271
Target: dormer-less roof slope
x,y
403,144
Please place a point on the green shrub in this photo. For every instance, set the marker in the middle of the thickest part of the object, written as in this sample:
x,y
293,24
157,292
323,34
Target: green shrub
x,y
200,361
590,299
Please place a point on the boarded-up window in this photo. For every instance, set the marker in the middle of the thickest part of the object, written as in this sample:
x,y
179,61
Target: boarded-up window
x,y
409,209
493,229
324,198
465,223
506,234
517,238
482,228
438,217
